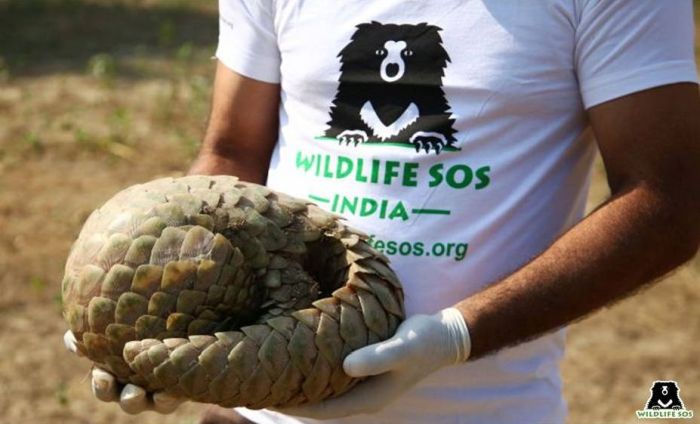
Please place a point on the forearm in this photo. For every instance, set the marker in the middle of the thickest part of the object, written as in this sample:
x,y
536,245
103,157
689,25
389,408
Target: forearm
x,y
242,130
215,160
636,237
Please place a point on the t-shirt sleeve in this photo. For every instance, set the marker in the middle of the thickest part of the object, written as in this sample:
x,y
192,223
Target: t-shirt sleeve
x,y
247,39
625,46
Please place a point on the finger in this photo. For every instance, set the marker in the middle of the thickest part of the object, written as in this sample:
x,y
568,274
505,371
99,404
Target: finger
x,y
104,385
70,342
166,403
376,359
133,399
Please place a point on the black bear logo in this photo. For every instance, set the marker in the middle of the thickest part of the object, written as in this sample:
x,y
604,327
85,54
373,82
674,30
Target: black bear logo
x,y
390,88
664,395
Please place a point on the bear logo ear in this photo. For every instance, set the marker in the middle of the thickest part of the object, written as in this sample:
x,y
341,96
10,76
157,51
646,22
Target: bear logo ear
x,y
368,25
424,26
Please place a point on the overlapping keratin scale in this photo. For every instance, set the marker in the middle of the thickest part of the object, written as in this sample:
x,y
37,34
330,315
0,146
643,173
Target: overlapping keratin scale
x,y
226,292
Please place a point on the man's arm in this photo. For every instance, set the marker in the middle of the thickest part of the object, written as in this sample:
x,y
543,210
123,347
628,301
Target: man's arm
x,y
650,143
242,129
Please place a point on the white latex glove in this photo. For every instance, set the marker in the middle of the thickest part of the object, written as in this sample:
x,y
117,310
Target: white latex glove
x,y
131,398
422,344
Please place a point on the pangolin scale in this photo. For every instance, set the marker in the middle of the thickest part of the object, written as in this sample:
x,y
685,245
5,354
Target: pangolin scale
x,y
226,292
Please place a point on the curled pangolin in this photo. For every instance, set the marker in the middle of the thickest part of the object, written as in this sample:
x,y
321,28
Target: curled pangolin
x,y
226,292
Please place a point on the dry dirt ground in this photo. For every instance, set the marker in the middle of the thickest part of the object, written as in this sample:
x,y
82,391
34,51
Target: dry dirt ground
x,y
97,95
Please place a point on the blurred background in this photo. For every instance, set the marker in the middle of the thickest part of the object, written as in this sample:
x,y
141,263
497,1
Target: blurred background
x,y
96,95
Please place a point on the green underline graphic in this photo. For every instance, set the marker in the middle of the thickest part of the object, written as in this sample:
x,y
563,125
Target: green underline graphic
x,y
405,145
319,199
431,211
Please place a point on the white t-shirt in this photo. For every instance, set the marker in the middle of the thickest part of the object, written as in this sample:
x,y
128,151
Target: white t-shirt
x,y
453,132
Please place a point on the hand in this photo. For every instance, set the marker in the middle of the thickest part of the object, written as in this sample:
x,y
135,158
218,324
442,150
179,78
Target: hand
x,y
422,344
131,398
